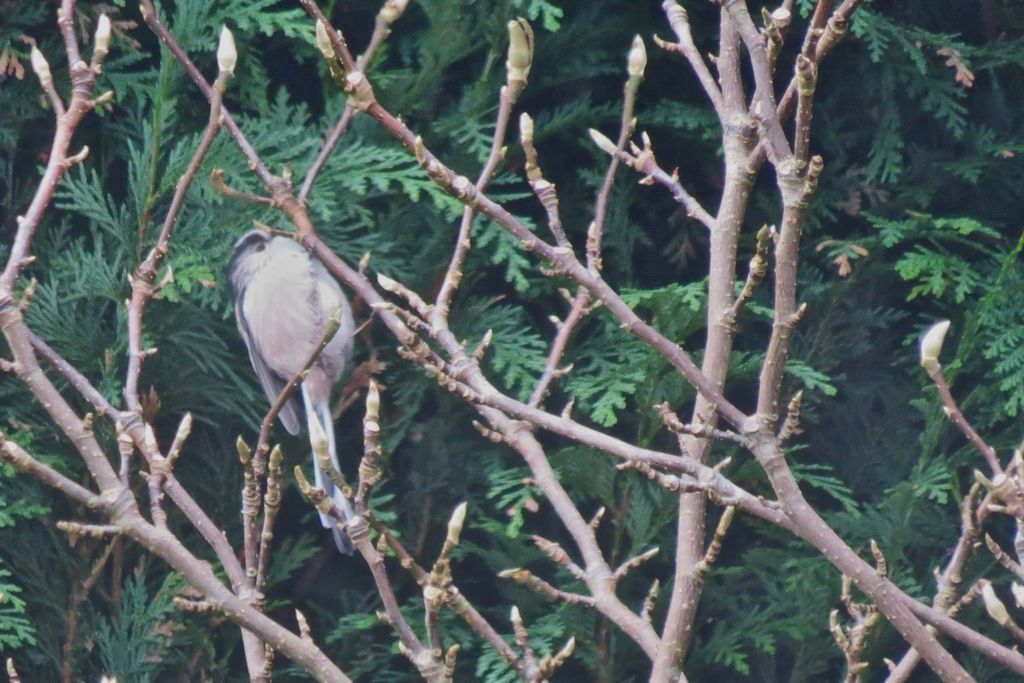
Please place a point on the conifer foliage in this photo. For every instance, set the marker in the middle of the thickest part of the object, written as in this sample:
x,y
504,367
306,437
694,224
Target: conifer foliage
x,y
601,424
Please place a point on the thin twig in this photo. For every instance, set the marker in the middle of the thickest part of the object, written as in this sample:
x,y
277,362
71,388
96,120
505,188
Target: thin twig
x,y
595,234
507,97
144,276
955,416
222,188
679,20
457,602
642,160
389,13
83,80
271,506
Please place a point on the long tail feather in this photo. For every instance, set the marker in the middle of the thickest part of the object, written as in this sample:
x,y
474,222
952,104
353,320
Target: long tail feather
x,y
321,414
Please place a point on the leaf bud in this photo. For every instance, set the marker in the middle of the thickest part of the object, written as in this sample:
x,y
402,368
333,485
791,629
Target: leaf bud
x,y
323,41
387,284
603,142
525,127
993,605
373,399
1018,593
101,39
931,343
392,9
227,56
41,66
636,63
317,437
520,50
455,524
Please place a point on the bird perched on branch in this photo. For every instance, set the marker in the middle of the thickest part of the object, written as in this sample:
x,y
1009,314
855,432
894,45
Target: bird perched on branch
x,y
284,301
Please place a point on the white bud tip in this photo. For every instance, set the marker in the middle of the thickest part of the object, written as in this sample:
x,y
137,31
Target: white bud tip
x,y
602,141
386,283
392,9
40,65
637,60
525,126
931,342
520,49
458,516
227,56
323,41
993,605
101,41
1018,593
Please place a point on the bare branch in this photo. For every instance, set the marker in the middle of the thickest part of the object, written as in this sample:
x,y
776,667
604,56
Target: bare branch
x,y
389,13
144,276
948,581
642,160
523,638
271,506
758,269
459,604
222,188
629,91
23,462
510,92
634,562
538,585
83,80
679,20
558,555
1008,562
956,417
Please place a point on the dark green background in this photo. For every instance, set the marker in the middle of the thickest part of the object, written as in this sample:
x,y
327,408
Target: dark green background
x,y
920,197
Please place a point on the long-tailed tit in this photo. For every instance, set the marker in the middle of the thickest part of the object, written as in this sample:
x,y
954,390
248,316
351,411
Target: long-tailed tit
x,y
284,298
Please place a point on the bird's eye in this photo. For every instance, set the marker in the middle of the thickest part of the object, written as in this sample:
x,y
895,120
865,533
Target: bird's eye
x,y
260,246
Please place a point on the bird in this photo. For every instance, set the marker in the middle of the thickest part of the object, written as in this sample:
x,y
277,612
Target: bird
x,y
284,299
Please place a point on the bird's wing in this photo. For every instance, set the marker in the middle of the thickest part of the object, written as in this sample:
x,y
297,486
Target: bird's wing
x,y
272,383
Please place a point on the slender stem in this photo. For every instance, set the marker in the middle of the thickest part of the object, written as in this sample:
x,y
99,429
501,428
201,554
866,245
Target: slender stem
x,y
174,490
578,309
948,582
821,38
453,275
679,20
144,276
389,12
764,107
956,416
336,133
283,396
596,233
23,462
458,603
893,603
83,80
644,162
